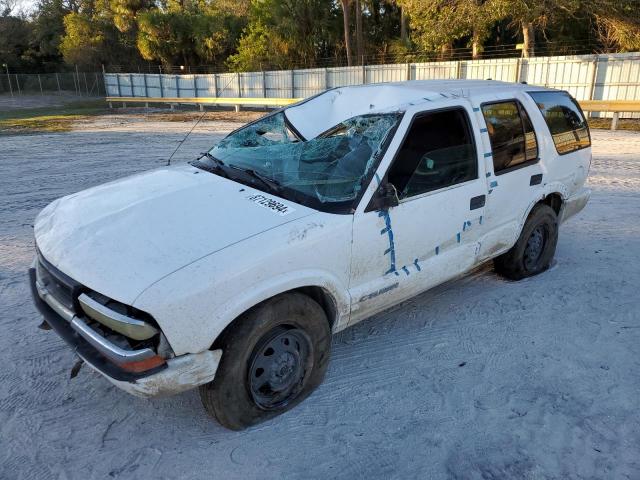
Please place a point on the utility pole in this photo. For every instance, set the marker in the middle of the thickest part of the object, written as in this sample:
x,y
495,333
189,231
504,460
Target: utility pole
x,y
8,78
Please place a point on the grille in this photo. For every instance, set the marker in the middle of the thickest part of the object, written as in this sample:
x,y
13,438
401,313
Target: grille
x,y
57,283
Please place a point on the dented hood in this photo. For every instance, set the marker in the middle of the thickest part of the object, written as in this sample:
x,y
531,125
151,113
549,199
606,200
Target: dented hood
x,y
121,237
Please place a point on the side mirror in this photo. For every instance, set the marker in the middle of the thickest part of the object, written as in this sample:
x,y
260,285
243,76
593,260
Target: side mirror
x,y
387,196
391,198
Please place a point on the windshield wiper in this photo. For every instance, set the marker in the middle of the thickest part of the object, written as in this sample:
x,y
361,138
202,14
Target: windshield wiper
x,y
217,167
268,182
216,161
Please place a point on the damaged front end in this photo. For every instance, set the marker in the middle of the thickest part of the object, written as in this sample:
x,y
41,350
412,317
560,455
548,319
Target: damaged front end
x,y
122,343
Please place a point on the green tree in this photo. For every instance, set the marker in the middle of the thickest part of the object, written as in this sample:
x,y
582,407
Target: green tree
x,y
190,32
287,34
437,24
92,39
532,15
125,12
181,37
47,32
617,23
15,48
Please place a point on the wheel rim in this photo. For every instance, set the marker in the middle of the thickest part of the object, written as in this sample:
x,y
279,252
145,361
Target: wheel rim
x,y
278,367
535,247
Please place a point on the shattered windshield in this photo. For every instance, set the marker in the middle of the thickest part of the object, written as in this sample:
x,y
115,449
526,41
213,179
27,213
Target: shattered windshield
x,y
332,167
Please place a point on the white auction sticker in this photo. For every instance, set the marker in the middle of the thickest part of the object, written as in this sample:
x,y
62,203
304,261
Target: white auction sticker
x,y
271,203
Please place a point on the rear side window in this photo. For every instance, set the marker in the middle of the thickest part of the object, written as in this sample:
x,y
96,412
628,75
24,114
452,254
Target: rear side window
x,y
513,141
437,152
566,123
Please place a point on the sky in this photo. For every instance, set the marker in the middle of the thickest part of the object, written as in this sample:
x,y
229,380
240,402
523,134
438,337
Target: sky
x,y
24,6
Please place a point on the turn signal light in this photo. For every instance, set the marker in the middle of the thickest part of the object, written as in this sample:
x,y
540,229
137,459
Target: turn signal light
x,y
143,365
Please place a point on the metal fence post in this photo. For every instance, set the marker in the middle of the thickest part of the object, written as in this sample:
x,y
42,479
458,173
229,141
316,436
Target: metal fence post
x,y
459,69
104,81
18,85
177,86
239,86
293,84
161,88
195,87
364,74
408,71
264,85
592,87
118,80
146,87
78,91
546,80
518,66
133,92
614,120
40,82
86,85
326,78
6,66
215,85
58,82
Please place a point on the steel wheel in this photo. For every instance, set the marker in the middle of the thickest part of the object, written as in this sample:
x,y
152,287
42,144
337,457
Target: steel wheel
x,y
278,367
535,247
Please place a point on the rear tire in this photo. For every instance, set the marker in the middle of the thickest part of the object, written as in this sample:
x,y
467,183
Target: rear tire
x,y
535,248
273,357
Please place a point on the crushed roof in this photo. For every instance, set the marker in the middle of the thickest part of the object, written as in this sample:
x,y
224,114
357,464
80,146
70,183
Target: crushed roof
x,y
317,114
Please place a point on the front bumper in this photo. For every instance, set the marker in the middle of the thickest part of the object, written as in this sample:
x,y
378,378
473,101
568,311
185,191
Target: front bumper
x,y
176,375
574,204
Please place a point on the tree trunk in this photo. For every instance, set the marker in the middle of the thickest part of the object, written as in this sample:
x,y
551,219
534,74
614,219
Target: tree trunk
x,y
347,38
359,41
476,45
445,51
528,39
404,33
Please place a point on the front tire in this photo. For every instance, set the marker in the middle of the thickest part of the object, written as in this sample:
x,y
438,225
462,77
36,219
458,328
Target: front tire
x,y
535,248
273,357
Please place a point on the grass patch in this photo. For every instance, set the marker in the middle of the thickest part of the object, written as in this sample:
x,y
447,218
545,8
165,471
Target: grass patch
x,y
631,124
217,115
49,119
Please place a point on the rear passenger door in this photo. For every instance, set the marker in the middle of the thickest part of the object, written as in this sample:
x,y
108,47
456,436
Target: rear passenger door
x,y
513,170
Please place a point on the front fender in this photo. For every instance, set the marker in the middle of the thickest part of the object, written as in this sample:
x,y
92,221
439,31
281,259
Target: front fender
x,y
192,319
194,304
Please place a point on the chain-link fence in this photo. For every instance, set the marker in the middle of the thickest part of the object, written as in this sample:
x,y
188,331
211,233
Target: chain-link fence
x,y
81,84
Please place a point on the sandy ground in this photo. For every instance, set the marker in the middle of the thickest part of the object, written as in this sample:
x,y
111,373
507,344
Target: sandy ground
x,y
479,378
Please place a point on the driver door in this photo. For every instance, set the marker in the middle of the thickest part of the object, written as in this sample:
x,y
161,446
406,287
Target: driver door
x,y
432,234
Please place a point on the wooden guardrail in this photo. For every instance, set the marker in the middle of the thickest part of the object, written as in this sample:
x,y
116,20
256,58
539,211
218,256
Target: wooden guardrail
x,y
237,102
614,106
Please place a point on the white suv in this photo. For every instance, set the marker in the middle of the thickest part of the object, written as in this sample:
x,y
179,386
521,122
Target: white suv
x,y
232,272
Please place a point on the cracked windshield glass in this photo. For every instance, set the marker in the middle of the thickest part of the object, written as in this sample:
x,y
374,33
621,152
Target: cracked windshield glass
x,y
329,168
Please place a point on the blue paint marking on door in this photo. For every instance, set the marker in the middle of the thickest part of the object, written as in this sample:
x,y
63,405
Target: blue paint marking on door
x,y
391,251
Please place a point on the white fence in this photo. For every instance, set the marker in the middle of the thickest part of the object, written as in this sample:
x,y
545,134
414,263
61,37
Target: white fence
x,y
586,77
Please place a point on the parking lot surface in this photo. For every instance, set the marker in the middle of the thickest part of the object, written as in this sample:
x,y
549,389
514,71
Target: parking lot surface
x,y
477,378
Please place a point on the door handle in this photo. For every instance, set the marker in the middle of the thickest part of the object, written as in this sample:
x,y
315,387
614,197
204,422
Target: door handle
x,y
535,179
477,202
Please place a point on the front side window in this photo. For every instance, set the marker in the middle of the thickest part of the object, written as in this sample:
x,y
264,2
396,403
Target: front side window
x,y
437,152
513,140
566,123
332,168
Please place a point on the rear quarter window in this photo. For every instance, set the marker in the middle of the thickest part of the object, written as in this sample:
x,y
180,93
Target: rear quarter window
x,y
565,120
